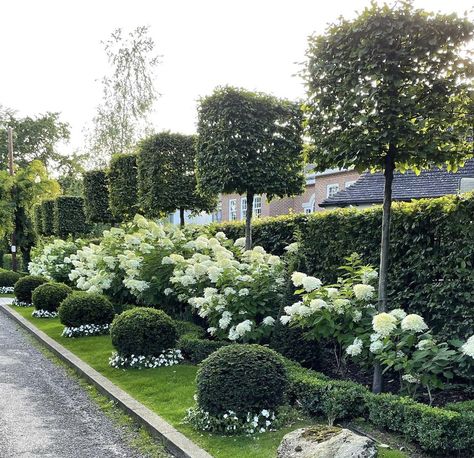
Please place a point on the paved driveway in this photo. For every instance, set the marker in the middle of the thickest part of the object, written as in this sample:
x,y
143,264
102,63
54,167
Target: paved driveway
x,y
46,413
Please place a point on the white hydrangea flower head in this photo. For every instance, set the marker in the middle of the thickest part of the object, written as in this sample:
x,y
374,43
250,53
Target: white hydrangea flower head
x,y
399,314
297,278
355,348
332,292
384,324
363,292
292,247
311,283
413,322
240,242
376,346
317,304
468,347
268,321
285,319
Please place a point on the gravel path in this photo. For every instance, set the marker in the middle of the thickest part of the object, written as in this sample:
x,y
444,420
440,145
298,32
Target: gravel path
x,y
46,413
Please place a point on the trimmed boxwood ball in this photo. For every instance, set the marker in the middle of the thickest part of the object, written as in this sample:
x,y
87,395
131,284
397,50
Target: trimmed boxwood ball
x,y
25,286
8,277
242,378
143,331
81,308
49,296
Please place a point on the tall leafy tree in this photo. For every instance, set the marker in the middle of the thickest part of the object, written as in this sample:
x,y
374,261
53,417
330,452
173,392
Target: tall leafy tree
x,y
128,94
390,90
249,143
166,177
34,138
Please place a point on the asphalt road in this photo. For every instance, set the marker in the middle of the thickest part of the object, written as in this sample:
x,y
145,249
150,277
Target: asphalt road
x,y
46,413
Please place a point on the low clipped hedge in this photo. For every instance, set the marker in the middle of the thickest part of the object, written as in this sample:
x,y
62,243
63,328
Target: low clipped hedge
x,y
143,331
8,278
241,378
197,350
49,296
81,308
461,407
25,286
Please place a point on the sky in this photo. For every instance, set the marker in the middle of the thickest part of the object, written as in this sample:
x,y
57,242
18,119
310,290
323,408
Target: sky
x,y
52,58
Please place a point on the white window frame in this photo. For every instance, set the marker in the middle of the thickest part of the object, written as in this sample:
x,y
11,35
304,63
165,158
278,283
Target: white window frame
x,y
309,207
329,189
257,206
232,209
243,207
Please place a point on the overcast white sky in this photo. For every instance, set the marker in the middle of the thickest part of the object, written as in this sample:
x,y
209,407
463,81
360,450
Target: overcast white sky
x,y
51,56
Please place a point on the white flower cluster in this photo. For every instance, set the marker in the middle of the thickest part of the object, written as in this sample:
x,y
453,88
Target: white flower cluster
x,y
355,348
6,289
166,358
228,286
52,262
86,330
44,314
410,378
18,303
468,347
230,423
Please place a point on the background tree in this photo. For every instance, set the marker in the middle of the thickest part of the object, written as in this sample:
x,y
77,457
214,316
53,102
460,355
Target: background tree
x,y
390,90
34,138
249,143
128,94
123,186
166,177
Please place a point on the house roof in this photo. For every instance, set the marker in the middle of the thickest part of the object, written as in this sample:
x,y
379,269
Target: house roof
x,y
368,189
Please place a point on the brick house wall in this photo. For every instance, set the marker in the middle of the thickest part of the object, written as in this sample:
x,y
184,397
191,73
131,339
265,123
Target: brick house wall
x,y
316,191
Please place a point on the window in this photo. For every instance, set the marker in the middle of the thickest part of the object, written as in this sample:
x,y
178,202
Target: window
x,y
349,183
217,215
232,209
257,206
332,189
243,207
308,207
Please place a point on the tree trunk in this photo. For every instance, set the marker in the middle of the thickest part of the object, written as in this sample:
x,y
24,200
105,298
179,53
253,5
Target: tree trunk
x,y
248,221
181,217
377,385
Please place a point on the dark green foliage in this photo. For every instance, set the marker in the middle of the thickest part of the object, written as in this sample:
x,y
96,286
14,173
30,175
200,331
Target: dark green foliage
x,y
47,217
123,186
461,407
186,328
119,307
49,296
242,378
195,349
7,261
25,286
8,277
69,216
166,175
96,197
85,308
38,219
143,331
437,430
273,234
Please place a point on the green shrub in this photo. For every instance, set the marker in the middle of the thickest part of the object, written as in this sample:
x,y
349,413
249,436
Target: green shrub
x,y
96,197
8,277
143,331
81,308
8,263
242,378
48,296
196,350
119,308
47,217
188,329
25,286
123,186
69,216
461,407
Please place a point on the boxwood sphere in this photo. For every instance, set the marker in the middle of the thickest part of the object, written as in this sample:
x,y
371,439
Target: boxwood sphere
x,y
242,378
8,277
85,308
143,331
25,286
48,296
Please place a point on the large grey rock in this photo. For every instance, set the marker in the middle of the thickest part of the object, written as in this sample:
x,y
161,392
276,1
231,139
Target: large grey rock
x,y
326,442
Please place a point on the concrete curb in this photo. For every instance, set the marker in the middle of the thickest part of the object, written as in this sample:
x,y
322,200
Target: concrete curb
x,y
176,442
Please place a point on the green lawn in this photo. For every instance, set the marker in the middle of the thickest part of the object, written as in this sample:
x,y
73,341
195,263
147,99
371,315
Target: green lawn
x,y
167,391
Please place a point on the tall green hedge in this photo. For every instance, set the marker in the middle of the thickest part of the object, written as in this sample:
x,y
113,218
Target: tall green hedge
x,y
432,253
69,216
47,217
123,186
38,219
96,197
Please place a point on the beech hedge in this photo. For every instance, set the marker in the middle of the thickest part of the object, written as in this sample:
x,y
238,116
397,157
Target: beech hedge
x,y
123,186
69,216
96,197
47,217
432,254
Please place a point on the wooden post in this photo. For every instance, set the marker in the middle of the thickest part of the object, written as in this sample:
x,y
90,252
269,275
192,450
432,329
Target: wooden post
x,y
11,170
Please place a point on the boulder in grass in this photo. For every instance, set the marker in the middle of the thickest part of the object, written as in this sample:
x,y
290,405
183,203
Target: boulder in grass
x,y
326,442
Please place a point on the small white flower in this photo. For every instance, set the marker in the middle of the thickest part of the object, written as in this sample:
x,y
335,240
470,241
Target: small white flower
x,y
355,348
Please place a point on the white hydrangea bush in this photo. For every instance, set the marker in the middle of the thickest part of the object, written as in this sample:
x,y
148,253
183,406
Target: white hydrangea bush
x,y
52,261
236,291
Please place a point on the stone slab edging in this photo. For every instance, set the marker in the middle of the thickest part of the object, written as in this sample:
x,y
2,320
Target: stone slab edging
x,y
176,442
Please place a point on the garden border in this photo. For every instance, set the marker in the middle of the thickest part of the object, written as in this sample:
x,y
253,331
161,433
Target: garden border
x,y
176,442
